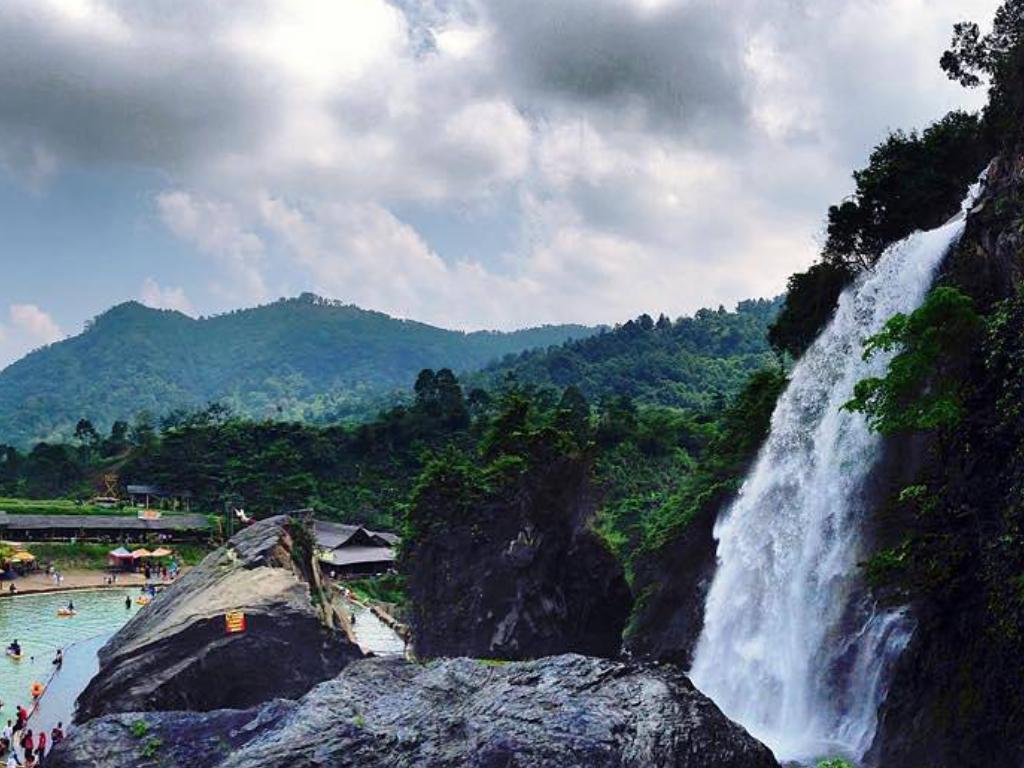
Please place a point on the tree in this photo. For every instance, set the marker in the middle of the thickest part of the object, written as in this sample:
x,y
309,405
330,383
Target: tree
x,y
972,56
143,430
573,416
921,388
117,442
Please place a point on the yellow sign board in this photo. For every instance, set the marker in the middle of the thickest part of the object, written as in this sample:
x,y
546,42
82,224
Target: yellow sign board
x,y
234,622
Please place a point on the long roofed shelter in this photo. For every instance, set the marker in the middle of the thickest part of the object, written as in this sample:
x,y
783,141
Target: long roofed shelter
x,y
149,494
102,527
352,550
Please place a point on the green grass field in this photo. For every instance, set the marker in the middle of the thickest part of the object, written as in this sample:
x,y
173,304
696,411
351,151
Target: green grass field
x,y
16,506
58,507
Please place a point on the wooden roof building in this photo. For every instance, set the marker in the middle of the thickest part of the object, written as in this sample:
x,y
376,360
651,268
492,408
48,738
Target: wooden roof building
x,y
352,550
102,527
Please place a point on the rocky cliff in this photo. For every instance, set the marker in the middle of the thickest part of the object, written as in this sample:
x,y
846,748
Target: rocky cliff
x,y
177,654
516,574
559,712
955,699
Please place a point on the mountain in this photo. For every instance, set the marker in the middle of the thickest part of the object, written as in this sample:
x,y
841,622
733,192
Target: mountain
x,y
691,362
301,358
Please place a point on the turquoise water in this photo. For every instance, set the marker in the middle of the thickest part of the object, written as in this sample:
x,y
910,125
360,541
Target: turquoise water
x,y
33,620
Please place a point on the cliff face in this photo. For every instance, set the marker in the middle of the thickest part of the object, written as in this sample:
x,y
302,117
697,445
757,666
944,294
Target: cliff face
x,y
558,712
519,576
955,699
176,654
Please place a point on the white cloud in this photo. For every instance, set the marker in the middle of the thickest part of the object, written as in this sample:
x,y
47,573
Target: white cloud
x,y
27,327
34,324
216,229
655,155
152,294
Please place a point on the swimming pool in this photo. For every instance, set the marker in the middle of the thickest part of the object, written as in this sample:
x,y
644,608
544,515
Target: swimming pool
x,y
33,620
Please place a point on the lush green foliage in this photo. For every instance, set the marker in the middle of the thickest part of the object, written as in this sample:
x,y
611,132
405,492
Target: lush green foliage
x,y
693,362
734,441
387,588
995,57
921,389
303,358
811,299
912,181
835,762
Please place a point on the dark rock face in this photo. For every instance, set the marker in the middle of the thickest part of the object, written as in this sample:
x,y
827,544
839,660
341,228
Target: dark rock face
x,y
520,577
559,712
176,654
955,698
674,584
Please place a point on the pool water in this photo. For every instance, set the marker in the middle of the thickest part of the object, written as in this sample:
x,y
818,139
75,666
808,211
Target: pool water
x,y
33,620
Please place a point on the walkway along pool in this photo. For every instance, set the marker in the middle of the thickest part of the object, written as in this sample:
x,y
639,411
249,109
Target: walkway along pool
x,y
33,621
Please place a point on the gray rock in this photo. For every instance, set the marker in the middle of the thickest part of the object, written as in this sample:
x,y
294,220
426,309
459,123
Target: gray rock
x,y
176,654
520,575
557,712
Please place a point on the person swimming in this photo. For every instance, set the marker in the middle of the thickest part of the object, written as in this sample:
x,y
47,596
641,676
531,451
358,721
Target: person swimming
x,y
71,606
14,648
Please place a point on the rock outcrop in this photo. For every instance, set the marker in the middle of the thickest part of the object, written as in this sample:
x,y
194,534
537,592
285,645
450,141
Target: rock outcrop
x,y
558,712
176,654
955,696
516,575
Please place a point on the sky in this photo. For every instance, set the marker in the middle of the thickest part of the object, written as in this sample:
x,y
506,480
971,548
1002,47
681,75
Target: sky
x,y
468,163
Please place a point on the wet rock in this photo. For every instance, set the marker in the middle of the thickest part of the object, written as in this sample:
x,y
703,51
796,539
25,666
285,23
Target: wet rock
x,y
558,712
176,653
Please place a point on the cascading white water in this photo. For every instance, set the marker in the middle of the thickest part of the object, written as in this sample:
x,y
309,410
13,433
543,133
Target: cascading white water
x,y
792,647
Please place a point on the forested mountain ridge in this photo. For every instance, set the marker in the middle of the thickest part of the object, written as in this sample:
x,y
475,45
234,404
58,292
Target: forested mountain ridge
x,y
692,362
301,358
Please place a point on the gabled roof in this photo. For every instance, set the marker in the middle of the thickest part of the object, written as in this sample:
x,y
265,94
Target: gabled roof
x,y
330,535
353,555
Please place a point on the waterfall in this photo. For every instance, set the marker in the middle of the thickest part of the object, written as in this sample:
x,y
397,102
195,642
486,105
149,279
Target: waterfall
x,y
792,646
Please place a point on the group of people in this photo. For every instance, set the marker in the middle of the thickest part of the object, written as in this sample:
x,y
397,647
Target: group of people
x,y
18,737
19,746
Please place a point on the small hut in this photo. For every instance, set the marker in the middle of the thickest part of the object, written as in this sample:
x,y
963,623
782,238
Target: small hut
x,y
121,559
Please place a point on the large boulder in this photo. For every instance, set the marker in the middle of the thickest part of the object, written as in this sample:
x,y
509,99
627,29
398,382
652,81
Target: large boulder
x,y
176,653
518,573
558,712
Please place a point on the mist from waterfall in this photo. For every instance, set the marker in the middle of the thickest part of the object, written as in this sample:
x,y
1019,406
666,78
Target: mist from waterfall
x,y
792,646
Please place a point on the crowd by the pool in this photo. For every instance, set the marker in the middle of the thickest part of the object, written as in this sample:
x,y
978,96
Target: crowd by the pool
x,y
21,747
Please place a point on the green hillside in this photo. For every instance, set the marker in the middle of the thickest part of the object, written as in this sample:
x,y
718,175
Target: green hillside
x,y
692,362
302,358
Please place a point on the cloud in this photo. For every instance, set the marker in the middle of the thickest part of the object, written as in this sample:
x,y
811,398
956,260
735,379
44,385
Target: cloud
x,y
27,327
152,294
33,324
216,229
646,155
676,65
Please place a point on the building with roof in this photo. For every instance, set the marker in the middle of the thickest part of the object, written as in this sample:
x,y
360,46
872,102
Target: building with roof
x,y
147,495
351,550
108,528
